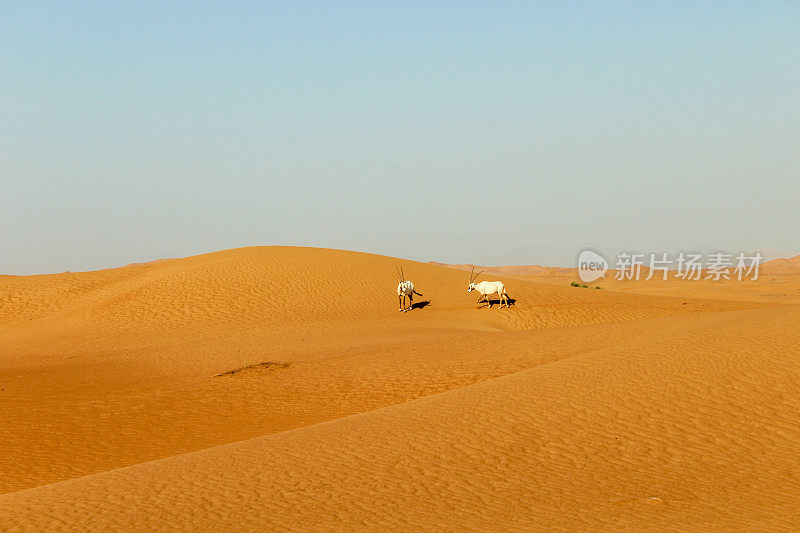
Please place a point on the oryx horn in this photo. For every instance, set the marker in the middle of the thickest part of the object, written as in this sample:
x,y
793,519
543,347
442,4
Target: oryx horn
x,y
473,278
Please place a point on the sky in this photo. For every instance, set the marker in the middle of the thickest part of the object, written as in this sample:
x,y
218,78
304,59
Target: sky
x,y
461,132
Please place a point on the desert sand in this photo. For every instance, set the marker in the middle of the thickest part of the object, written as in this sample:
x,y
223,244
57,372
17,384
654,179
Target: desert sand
x,y
777,281
278,388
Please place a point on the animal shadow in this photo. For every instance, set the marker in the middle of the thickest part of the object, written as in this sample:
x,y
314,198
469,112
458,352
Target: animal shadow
x,y
420,305
497,301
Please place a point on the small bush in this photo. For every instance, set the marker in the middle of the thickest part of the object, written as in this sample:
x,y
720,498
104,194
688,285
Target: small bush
x,y
576,284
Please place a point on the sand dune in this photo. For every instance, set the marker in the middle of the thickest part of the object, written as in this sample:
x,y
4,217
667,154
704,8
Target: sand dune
x,y
278,387
782,266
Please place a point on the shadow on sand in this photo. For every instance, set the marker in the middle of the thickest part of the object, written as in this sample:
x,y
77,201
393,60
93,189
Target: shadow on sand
x,y
420,305
493,302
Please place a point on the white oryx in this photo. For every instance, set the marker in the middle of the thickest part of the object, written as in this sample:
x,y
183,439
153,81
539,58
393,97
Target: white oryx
x,y
405,288
487,288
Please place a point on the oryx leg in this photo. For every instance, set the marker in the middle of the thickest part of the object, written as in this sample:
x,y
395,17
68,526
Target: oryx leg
x,y
410,302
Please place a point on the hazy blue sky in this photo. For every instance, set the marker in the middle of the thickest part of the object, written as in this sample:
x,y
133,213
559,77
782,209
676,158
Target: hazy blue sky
x,y
460,132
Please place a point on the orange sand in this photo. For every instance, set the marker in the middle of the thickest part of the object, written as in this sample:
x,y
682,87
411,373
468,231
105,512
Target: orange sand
x,y
279,388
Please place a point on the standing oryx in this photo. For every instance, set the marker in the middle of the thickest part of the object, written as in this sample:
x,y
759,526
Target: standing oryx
x,y
487,288
405,288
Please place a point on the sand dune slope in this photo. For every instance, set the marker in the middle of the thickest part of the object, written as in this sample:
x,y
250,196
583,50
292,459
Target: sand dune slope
x,y
782,266
695,427
279,386
111,368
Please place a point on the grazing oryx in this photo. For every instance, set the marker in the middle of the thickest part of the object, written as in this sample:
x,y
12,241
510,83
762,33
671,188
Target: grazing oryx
x,y
487,288
405,288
